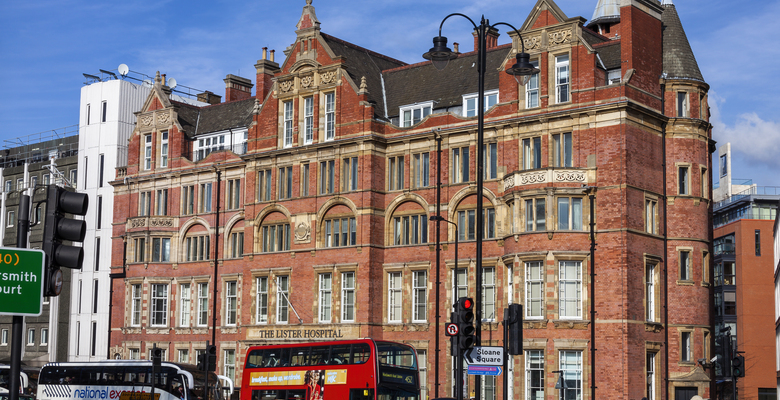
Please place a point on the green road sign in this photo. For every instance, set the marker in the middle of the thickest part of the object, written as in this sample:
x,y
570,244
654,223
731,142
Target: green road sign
x,y
21,281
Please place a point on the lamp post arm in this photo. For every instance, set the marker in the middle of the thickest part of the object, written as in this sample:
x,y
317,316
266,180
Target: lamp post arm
x,y
462,15
522,45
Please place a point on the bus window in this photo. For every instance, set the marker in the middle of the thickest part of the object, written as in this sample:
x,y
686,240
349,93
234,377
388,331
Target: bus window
x,y
360,353
320,355
339,354
300,356
278,394
255,359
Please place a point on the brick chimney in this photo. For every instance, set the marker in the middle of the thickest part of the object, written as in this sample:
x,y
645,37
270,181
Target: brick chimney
x,y
208,97
265,73
237,88
491,40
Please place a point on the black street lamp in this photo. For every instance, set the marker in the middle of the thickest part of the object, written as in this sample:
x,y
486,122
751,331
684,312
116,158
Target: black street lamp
x,y
440,55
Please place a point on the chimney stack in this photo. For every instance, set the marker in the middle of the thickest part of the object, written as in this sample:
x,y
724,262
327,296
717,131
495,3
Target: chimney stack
x,y
208,97
265,73
491,40
237,88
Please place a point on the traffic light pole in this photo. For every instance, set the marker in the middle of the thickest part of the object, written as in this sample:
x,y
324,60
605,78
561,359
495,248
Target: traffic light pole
x,y
18,321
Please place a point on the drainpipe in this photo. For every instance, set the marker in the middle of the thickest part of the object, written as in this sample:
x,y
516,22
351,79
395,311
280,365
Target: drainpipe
x,y
666,239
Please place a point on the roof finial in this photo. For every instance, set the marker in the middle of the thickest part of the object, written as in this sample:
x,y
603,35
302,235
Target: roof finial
x,y
308,2
667,3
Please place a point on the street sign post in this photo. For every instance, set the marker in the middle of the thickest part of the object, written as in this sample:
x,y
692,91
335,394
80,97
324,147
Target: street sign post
x,y
484,370
485,355
21,281
451,329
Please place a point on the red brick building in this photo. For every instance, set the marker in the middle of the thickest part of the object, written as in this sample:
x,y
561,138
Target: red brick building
x,y
314,195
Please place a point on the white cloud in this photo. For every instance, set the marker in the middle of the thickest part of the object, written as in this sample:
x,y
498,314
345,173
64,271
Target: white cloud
x,y
758,140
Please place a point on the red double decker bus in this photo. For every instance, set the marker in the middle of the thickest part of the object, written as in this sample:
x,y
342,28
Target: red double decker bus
x,y
363,369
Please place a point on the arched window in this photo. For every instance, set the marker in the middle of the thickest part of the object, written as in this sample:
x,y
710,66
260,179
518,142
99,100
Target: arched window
x,y
236,241
466,218
339,227
197,244
409,224
275,233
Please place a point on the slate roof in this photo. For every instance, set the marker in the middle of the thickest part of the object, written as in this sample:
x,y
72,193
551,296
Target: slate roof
x,y
610,55
423,82
215,118
679,61
360,62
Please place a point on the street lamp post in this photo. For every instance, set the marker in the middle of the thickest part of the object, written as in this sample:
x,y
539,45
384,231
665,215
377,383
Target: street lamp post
x,y
455,273
440,55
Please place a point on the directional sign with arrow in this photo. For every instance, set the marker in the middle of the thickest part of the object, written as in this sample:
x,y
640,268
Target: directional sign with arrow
x,y
485,355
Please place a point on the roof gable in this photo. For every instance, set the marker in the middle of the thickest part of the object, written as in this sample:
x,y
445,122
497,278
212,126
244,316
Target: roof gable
x,y
544,13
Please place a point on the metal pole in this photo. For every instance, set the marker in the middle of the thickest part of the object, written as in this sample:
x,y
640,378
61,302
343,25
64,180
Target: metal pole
x,y
506,355
18,321
438,258
592,198
216,263
481,34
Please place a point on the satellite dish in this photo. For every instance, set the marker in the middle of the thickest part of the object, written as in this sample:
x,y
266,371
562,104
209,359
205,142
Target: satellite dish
x,y
172,83
147,83
123,69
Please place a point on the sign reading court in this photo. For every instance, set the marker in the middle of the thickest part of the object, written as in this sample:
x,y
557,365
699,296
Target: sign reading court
x,y
21,281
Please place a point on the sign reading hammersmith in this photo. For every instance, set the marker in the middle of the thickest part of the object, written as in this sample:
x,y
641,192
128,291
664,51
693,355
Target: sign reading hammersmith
x,y
21,281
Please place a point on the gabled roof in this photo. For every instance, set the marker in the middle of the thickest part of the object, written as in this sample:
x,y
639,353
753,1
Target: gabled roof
x,y
538,10
679,61
215,118
360,62
422,82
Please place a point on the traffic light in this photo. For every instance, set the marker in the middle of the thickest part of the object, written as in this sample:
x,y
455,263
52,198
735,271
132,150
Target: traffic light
x,y
723,344
156,360
211,355
738,366
464,309
59,230
513,318
202,361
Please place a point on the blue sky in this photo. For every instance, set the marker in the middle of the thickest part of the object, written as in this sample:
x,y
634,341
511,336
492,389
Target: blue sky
x,y
48,44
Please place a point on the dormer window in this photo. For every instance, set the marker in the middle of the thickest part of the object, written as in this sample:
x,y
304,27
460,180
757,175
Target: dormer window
x,y
413,114
234,140
470,102
613,76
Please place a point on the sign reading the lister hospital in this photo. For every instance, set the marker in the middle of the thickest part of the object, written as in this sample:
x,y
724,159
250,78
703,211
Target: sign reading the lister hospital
x,y
21,281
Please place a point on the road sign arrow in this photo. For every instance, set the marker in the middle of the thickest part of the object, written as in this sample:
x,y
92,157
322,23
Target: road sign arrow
x,y
469,360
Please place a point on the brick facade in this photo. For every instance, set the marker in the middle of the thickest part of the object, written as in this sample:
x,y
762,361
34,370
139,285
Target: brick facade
x,y
612,137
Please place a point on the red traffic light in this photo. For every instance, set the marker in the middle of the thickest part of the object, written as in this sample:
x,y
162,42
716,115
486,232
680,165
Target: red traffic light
x,y
466,303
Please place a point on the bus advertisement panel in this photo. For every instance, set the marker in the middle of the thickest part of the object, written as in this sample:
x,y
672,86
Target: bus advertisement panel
x,y
125,380
353,369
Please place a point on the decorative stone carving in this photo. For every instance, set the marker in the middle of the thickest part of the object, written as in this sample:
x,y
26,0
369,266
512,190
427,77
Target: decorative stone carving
x,y
532,43
137,223
163,118
653,327
328,77
306,81
161,222
562,36
533,177
286,86
256,110
570,176
147,120
302,232
509,182
565,324
535,324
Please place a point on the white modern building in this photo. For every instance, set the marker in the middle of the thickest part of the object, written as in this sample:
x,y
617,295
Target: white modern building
x,y
105,123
